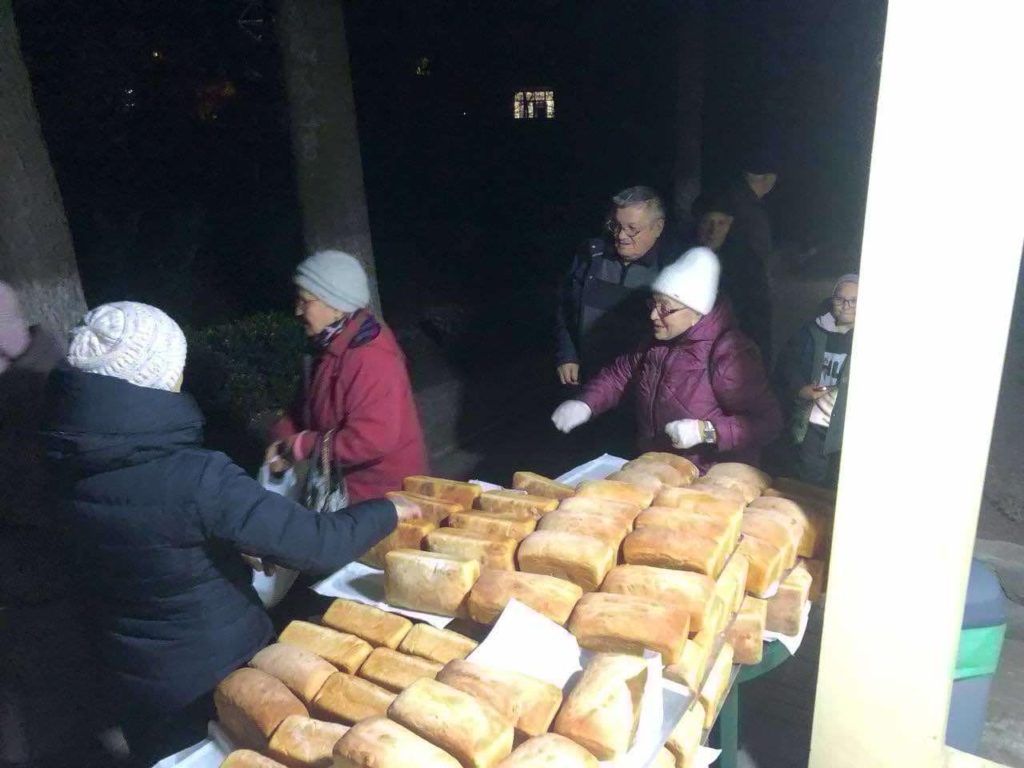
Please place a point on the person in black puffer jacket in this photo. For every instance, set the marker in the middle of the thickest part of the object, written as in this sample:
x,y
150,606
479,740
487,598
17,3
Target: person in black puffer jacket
x,y
158,526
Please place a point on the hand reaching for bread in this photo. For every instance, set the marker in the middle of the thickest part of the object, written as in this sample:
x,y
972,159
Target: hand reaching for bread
x,y
570,415
405,508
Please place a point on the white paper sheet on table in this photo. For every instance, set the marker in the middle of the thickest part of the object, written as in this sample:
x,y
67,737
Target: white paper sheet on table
x,y
366,585
525,641
706,756
208,753
595,469
792,642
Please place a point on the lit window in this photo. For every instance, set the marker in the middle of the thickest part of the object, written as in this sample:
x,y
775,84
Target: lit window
x,y
533,104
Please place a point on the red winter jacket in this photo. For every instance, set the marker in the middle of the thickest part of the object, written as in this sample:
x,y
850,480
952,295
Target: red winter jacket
x,y
360,388
711,372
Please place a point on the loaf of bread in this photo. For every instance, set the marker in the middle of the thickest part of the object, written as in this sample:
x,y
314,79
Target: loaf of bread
x,y
382,743
776,533
707,637
346,652
665,548
786,608
491,551
602,711
301,742
722,502
603,621
731,584
251,704
396,671
538,485
722,492
693,523
526,702
819,575
548,595
302,671
666,473
615,491
621,511
447,490
246,758
646,481
373,625
690,668
610,530
408,534
436,511
440,645
716,684
583,560
687,591
813,525
765,565
745,472
793,525
349,699
514,525
747,491
683,466
549,751
428,581
746,633
684,741
470,730
514,501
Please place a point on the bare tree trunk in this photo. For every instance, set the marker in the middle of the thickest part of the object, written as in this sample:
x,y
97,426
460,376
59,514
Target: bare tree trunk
x,y
325,137
36,254
690,107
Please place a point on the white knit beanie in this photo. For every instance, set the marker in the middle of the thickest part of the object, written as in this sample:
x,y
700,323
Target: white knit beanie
x,y
692,279
130,341
336,278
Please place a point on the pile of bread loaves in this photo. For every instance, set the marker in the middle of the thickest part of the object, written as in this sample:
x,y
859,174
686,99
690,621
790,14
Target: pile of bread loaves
x,y
654,557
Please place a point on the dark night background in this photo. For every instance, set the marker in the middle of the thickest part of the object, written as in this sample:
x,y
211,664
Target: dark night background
x,y
167,124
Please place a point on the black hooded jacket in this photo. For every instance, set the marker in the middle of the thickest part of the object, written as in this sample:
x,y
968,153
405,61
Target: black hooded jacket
x,y
156,524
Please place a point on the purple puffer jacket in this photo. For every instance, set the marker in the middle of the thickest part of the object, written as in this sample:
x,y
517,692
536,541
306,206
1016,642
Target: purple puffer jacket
x,y
711,372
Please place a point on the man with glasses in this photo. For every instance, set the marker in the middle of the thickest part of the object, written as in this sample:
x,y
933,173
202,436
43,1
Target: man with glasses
x,y
601,311
813,375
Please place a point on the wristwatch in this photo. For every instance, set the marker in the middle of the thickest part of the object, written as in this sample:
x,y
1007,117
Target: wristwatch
x,y
707,432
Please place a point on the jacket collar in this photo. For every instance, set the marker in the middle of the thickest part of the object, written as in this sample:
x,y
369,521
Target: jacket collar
x,y
716,322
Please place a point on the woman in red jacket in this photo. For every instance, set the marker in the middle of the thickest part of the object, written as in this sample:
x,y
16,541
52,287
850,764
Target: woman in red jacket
x,y
356,402
700,385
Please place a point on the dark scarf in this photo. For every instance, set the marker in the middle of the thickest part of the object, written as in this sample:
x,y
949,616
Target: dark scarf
x,y
369,329
323,339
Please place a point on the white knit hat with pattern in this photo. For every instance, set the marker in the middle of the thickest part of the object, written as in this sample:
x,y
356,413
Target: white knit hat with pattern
x,y
692,279
130,341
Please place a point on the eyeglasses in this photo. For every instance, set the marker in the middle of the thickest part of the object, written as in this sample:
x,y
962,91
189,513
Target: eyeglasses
x,y
301,302
662,310
839,301
613,228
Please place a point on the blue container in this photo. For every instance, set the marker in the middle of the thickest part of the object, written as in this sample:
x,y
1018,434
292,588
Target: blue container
x,y
981,640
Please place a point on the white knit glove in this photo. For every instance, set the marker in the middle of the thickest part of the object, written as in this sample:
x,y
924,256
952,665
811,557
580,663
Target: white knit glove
x,y
684,433
570,415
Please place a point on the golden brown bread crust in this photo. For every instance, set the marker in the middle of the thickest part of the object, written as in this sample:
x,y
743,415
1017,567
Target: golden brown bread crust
x,y
382,743
446,490
722,502
773,531
490,550
814,526
645,481
684,741
408,534
602,711
785,609
548,595
708,488
538,485
526,702
302,671
251,704
688,591
583,560
690,668
682,465
373,625
471,731
665,472
436,644
549,751
610,530
744,472
716,684
349,699
344,651
301,742
246,758
396,671
746,633
666,548
437,511
624,513
428,581
747,491
513,501
731,584
514,525
626,624
615,491
765,564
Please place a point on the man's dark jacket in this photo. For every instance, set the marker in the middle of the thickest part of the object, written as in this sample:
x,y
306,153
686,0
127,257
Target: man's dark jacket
x,y
157,524
601,311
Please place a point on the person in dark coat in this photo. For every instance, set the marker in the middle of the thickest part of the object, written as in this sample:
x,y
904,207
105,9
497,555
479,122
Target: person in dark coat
x,y
600,308
158,525
813,377
701,389
752,225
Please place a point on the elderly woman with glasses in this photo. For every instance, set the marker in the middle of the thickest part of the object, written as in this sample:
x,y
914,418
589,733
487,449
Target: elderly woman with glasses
x,y
699,385
812,376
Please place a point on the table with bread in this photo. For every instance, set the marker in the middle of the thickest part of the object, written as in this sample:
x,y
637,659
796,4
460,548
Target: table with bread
x,y
653,557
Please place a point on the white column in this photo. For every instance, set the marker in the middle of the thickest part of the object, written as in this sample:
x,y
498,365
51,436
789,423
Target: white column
x,y
942,244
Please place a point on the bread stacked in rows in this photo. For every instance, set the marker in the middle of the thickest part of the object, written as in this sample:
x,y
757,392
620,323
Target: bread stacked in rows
x,y
655,557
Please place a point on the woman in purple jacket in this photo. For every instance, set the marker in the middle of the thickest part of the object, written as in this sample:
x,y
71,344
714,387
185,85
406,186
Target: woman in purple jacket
x,y
700,386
